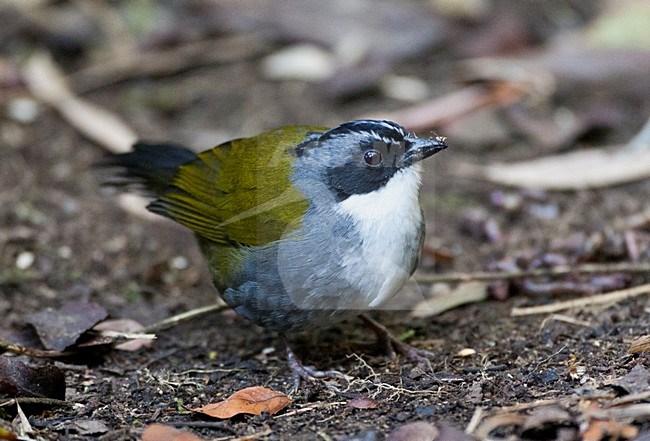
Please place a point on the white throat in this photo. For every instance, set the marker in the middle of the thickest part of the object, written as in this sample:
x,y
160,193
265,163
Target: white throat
x,y
389,222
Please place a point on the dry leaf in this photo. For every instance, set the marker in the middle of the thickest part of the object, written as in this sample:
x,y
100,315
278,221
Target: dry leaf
x,y
641,344
469,292
252,400
59,329
609,429
590,168
363,403
635,381
125,326
160,432
20,380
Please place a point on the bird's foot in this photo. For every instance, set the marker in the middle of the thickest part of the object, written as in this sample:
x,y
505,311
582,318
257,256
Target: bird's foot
x,y
395,346
308,373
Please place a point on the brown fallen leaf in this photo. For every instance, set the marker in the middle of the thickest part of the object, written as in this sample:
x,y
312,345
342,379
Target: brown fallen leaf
x,y
161,432
252,400
363,403
641,344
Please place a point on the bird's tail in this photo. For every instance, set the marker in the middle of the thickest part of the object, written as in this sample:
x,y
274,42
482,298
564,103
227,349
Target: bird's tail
x,y
149,164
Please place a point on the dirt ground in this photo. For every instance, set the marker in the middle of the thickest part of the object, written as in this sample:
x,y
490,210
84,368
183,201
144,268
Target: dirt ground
x,y
86,248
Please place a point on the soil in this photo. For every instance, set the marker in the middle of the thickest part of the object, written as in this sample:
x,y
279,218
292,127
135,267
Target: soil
x,y
87,248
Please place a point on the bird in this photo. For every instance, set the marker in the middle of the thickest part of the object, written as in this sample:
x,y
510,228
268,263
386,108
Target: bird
x,y
301,226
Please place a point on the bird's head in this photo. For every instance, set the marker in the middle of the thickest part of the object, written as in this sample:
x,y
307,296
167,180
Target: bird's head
x,y
363,156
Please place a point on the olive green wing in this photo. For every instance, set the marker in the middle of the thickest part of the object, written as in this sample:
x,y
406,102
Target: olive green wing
x,y
239,192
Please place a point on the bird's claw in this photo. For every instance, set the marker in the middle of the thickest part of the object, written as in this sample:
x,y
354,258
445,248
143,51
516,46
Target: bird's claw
x,y
308,373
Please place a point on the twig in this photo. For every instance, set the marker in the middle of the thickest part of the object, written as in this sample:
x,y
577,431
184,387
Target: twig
x,y
477,417
443,110
610,297
14,348
639,396
562,270
565,319
160,63
202,425
37,400
185,316
633,412
252,436
311,407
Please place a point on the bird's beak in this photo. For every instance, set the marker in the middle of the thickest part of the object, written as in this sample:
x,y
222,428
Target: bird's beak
x,y
418,149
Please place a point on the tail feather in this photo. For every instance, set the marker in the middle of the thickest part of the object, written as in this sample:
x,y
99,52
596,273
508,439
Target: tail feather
x,y
152,165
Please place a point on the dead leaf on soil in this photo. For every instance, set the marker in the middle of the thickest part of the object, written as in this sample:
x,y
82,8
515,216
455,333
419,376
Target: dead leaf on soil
x,y
252,400
635,381
125,327
470,292
59,329
589,168
641,344
363,403
20,380
160,432
418,431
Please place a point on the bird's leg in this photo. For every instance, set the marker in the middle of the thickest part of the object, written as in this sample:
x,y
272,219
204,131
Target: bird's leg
x,y
394,345
301,372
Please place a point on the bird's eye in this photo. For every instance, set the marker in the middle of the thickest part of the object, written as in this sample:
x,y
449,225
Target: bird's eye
x,y
372,158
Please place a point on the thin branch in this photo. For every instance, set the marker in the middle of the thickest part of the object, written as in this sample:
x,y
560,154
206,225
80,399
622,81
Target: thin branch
x,y
165,62
185,316
37,400
563,270
610,297
14,348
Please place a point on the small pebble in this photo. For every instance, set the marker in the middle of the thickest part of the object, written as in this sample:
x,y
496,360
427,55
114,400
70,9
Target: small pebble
x,y
179,263
64,252
25,260
23,110
404,88
467,352
301,62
